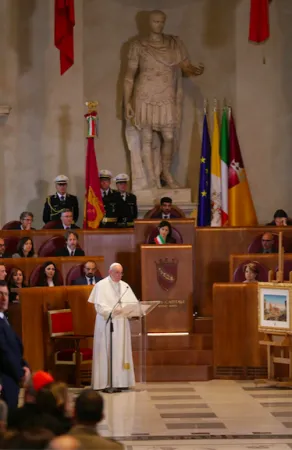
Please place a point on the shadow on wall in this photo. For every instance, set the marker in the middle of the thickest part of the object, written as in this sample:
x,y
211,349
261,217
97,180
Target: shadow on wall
x,y
36,205
21,13
219,19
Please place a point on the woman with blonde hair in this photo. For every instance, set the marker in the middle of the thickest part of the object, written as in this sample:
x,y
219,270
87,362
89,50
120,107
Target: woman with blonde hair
x,y
251,272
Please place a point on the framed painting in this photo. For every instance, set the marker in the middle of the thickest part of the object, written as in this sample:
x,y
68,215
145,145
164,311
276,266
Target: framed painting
x,y
274,307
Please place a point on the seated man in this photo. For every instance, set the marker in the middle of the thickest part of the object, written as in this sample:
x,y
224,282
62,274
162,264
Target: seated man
x,y
268,243
89,277
280,219
71,248
66,221
26,220
3,253
165,209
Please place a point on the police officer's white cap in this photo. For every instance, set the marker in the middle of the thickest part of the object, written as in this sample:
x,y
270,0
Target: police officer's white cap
x,y
122,178
105,174
61,179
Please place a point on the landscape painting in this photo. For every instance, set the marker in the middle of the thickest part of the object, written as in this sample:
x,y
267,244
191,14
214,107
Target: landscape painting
x,y
274,309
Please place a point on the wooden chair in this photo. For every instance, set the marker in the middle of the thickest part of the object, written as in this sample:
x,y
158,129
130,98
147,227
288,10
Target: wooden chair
x,y
34,276
49,247
238,276
51,225
154,212
11,244
65,345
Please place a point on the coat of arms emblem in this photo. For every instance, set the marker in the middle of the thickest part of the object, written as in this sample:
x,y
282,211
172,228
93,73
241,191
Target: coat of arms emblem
x,y
166,270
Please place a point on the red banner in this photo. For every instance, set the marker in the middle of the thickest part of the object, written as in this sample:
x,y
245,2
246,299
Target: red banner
x,y
93,208
259,29
64,32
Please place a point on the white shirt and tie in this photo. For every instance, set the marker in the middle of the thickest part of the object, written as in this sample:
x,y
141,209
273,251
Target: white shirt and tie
x,y
104,193
166,216
71,252
61,197
90,280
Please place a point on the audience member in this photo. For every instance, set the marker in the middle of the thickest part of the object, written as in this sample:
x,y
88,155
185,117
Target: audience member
x,y
268,243
60,201
37,438
280,219
53,399
71,248
25,248
165,209
251,272
111,200
3,253
165,234
3,272
128,210
16,280
13,368
26,220
66,221
88,413
90,277
65,443
48,275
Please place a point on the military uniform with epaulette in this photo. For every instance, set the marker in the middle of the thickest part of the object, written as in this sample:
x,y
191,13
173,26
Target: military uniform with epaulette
x,y
128,210
112,205
55,204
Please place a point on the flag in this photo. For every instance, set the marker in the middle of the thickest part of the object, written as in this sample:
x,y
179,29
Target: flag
x,y
241,208
259,29
93,208
224,152
204,208
215,175
64,25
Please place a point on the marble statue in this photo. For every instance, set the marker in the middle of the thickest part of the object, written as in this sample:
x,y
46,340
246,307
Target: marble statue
x,y
153,101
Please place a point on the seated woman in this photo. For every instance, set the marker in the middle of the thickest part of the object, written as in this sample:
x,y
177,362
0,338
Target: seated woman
x,y
25,249
16,280
164,236
48,275
281,219
251,272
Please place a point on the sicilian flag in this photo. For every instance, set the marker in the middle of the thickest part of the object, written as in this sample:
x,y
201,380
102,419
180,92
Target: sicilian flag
x,y
159,240
259,29
204,208
93,208
224,156
215,175
241,208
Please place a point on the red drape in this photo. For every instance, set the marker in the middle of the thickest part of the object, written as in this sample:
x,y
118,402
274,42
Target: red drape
x,y
259,29
64,36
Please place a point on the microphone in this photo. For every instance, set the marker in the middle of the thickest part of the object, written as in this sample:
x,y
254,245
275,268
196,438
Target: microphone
x,y
118,302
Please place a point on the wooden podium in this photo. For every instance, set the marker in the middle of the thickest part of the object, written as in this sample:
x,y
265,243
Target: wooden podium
x,y
167,276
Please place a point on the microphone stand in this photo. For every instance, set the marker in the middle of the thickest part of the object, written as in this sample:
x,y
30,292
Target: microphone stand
x,y
111,389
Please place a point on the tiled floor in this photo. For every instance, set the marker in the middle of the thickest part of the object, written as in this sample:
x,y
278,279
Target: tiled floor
x,y
223,415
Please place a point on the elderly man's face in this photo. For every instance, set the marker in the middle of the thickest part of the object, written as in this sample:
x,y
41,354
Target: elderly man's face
x,y
267,241
67,218
116,273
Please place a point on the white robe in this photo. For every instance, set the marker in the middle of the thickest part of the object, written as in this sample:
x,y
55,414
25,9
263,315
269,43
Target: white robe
x,y
104,296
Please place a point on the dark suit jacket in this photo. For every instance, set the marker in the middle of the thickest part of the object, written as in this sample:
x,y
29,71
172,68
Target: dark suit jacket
x,y
64,252
11,364
53,207
159,216
6,255
82,281
18,227
59,226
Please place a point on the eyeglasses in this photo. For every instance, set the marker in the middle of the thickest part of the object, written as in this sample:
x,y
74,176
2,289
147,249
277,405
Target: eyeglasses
x,y
267,240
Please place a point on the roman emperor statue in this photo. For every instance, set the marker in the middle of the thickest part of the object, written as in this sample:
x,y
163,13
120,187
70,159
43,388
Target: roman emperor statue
x,y
153,97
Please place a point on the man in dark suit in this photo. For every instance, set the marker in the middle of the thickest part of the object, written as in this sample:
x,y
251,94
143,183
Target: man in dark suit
x,y
56,203
3,252
128,210
66,222
26,220
165,209
268,243
89,277
71,248
13,368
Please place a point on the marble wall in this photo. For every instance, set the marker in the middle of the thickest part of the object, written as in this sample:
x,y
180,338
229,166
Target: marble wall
x,y
44,134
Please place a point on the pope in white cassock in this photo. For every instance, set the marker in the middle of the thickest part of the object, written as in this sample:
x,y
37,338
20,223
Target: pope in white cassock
x,y
105,295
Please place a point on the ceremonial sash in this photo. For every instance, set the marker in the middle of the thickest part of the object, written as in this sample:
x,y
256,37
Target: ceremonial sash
x,y
159,240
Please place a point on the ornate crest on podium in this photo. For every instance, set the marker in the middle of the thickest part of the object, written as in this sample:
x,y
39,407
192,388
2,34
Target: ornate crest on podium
x,y
166,270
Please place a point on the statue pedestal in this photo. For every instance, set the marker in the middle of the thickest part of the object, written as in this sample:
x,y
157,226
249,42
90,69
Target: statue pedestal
x,y
152,197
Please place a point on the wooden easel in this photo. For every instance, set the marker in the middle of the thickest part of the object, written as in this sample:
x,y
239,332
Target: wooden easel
x,y
278,339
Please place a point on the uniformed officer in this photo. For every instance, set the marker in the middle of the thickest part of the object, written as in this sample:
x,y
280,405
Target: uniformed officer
x,y
111,200
55,204
128,208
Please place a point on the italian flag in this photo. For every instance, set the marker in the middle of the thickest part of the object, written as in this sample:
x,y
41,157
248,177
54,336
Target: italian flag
x,y
215,175
159,240
224,156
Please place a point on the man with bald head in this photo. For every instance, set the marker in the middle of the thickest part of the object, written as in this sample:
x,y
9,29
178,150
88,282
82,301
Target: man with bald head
x,y
109,296
268,243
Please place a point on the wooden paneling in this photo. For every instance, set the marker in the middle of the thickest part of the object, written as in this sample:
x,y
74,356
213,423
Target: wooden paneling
x,y
235,326
175,313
